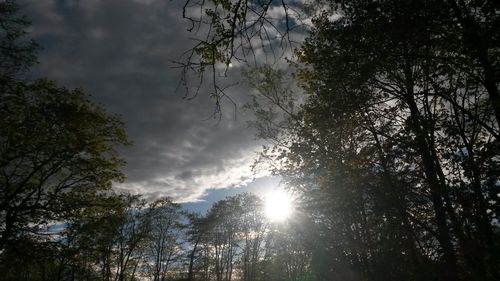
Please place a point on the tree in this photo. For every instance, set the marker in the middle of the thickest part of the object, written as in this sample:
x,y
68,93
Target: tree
x,y
57,149
57,156
229,242
92,245
380,146
17,54
164,242
196,231
234,32
132,239
288,249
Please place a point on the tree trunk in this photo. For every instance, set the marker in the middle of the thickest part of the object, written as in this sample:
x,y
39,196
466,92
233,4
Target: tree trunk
x,y
436,190
191,258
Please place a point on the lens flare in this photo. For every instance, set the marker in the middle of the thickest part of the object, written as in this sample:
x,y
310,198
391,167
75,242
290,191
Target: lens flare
x,y
278,205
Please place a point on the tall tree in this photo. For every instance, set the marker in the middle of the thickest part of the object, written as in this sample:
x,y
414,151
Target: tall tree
x,y
380,146
58,160
165,233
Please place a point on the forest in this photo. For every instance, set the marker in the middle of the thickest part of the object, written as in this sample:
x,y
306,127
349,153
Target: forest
x,y
386,133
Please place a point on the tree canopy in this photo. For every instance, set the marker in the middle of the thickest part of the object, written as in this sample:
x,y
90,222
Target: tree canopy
x,y
58,157
394,146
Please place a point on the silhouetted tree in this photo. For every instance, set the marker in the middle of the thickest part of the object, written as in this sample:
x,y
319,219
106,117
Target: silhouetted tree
x,y
164,247
17,53
58,160
379,147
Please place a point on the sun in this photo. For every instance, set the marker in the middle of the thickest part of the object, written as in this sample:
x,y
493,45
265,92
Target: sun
x,y
278,205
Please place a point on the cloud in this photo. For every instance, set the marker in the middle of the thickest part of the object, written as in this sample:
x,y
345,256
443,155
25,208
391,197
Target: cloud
x,y
119,52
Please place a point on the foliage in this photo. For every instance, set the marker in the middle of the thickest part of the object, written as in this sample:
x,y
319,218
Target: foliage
x,y
234,32
164,249
58,160
58,156
16,53
393,149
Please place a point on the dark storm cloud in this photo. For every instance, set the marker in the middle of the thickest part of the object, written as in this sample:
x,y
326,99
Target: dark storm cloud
x,y
119,51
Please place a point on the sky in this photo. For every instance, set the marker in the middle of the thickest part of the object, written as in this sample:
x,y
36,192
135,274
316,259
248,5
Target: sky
x,y
120,52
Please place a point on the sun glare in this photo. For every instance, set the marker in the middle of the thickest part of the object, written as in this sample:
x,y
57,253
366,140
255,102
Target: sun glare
x,y
278,205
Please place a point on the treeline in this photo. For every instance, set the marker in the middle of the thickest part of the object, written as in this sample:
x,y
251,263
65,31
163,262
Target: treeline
x,y
135,240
